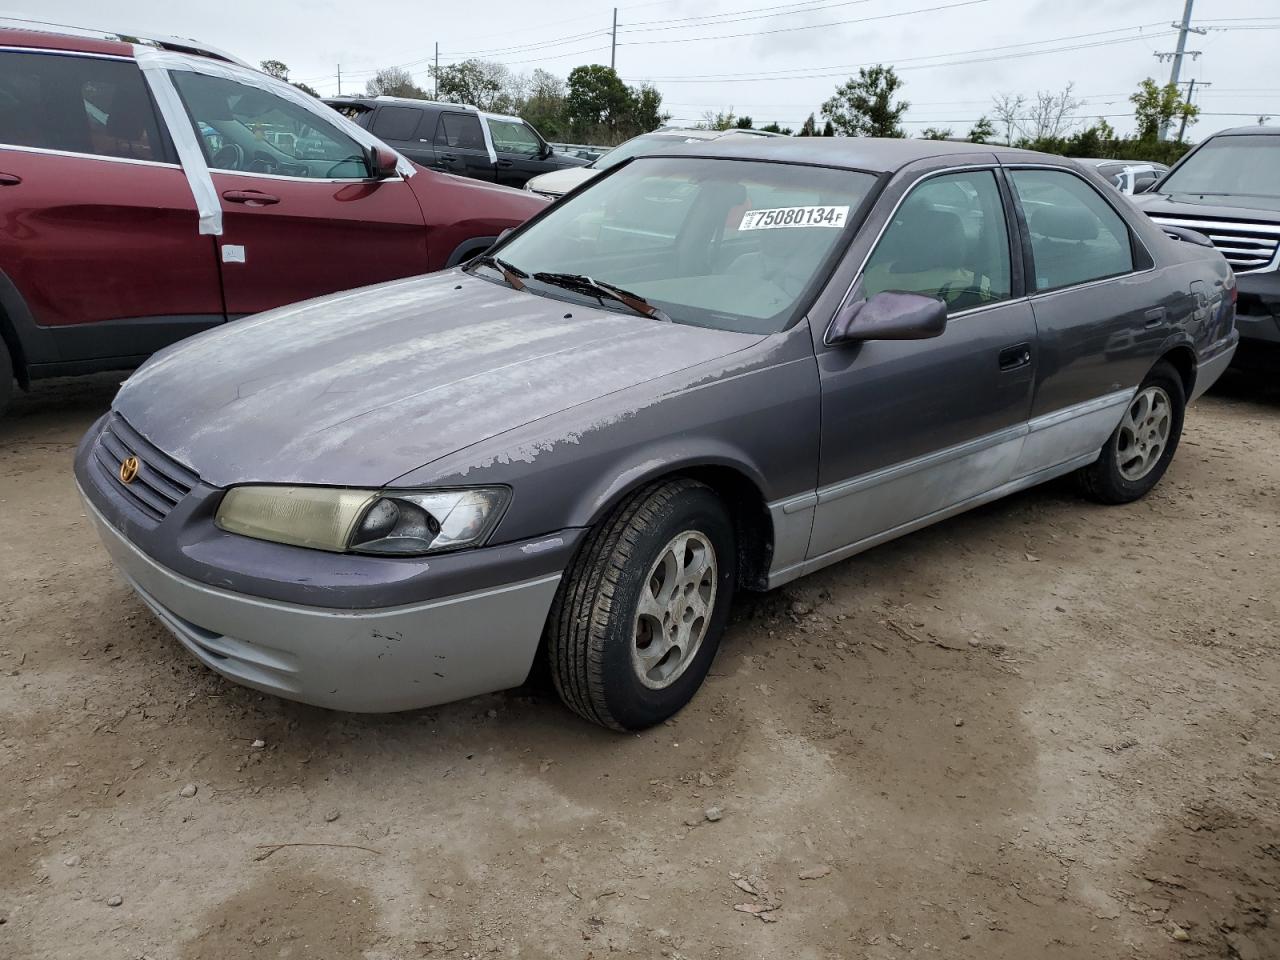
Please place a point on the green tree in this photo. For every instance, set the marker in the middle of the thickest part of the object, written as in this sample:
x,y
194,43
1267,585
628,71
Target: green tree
x,y
828,130
544,105
744,123
775,128
865,106
1154,106
279,70
600,107
718,120
481,83
394,82
646,109
982,130
597,98
809,128
934,133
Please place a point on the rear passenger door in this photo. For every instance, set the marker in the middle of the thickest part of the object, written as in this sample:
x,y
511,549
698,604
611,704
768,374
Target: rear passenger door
x,y
460,146
1090,283
912,428
97,220
408,130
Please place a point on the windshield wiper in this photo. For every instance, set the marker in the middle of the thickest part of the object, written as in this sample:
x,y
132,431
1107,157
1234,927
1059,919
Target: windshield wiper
x,y
510,273
601,291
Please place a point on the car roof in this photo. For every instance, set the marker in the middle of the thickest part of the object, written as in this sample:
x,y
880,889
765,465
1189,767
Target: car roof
x,y
1100,161
1254,131
371,102
874,154
59,36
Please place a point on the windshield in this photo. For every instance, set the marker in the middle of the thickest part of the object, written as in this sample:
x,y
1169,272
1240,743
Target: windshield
x,y
649,143
731,244
1248,165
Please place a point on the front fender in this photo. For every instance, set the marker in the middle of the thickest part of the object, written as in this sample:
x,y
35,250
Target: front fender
x,y
755,411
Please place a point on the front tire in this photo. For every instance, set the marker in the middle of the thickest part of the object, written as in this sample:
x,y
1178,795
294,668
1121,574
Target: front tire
x,y
1138,452
639,615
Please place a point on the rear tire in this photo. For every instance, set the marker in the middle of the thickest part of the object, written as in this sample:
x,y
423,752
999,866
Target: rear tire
x,y
639,615
1139,450
6,378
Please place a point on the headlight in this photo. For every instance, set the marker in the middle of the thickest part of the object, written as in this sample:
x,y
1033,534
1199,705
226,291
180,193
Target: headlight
x,y
397,522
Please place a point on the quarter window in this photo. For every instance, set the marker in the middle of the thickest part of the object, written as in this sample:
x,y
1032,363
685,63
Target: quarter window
x,y
79,105
461,130
1075,234
246,128
948,239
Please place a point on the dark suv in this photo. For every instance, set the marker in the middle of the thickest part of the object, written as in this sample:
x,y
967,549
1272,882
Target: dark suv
x,y
457,138
1228,188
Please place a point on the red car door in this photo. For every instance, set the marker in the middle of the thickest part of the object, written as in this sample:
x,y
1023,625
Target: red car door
x,y
301,216
97,220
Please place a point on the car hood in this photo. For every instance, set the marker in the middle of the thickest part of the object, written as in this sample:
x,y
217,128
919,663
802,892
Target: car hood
x,y
559,182
1204,205
361,387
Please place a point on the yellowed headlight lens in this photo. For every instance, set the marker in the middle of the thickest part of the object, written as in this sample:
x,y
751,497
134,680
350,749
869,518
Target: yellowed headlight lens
x,y
317,517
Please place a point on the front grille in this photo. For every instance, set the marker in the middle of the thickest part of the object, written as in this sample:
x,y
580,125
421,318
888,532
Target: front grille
x,y
160,482
1246,246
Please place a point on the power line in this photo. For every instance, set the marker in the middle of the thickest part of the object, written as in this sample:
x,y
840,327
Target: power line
x,y
843,69
811,26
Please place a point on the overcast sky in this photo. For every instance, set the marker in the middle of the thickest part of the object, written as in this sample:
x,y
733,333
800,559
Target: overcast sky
x,y
767,59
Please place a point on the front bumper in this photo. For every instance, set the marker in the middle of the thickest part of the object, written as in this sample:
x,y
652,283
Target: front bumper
x,y
1258,307
365,661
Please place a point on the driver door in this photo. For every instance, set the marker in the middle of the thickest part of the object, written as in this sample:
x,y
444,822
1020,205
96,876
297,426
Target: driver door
x,y
300,215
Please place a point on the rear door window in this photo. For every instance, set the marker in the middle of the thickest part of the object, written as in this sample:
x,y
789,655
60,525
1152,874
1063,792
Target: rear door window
x,y
396,123
1076,236
461,130
75,104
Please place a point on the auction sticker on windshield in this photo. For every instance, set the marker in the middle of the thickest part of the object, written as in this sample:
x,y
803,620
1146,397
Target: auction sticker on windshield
x,y
781,217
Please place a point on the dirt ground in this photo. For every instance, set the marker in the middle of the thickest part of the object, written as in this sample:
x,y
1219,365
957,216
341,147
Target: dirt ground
x,y
1043,729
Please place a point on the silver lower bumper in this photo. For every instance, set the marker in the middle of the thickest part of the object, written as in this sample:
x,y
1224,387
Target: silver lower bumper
x,y
1208,372
365,661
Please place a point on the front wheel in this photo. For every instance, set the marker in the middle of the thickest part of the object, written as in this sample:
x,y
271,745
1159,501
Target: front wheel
x,y
638,617
1139,450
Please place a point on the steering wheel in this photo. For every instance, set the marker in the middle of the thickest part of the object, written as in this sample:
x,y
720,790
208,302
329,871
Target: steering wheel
x,y
337,171
230,156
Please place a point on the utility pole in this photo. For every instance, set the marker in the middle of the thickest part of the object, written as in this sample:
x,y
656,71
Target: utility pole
x,y
1183,29
613,44
339,79
436,73
1191,92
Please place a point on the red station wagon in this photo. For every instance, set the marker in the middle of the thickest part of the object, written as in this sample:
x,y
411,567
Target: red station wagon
x,y
150,190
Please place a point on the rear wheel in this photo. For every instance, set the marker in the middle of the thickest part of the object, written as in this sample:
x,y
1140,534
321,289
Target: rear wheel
x,y
1139,451
637,620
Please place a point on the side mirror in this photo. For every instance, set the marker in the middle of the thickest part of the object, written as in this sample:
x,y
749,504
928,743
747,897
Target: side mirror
x,y
382,163
889,315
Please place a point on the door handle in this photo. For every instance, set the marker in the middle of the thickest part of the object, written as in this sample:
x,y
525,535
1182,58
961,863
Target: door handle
x,y
504,163
9,179
252,198
1155,317
448,157
1015,357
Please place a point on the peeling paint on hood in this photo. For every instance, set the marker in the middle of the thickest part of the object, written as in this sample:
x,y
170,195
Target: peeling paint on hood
x,y
362,387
